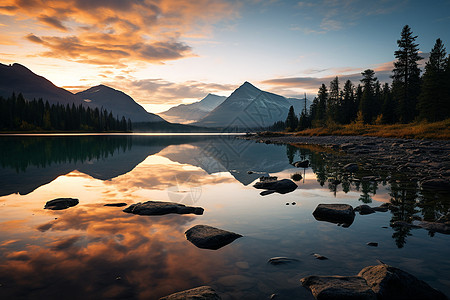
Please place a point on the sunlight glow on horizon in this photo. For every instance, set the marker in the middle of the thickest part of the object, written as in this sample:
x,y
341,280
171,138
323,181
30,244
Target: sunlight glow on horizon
x,y
170,54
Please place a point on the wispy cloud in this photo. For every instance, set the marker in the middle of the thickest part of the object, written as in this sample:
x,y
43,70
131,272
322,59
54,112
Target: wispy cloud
x,y
159,91
334,15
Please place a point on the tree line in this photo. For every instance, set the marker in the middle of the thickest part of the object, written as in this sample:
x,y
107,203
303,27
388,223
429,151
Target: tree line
x,y
18,114
409,98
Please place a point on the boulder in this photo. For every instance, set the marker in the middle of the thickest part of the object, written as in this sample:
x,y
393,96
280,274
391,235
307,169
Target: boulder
x,y
301,164
364,209
207,237
281,260
392,283
335,213
338,287
282,186
162,208
61,203
199,293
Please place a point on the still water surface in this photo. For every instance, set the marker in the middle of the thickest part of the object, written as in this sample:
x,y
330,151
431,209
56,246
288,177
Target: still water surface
x,y
91,251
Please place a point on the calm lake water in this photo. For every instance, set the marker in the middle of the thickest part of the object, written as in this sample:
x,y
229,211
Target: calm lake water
x,y
91,251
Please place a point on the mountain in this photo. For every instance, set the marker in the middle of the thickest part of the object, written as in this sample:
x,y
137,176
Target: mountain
x,y
118,102
18,79
188,113
249,108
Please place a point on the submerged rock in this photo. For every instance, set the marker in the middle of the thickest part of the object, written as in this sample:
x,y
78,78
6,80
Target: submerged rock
x,y
282,186
320,257
162,208
199,293
61,203
207,237
281,260
392,283
335,213
338,287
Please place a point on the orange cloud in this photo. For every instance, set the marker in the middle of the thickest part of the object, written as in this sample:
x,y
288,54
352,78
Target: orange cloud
x,y
111,32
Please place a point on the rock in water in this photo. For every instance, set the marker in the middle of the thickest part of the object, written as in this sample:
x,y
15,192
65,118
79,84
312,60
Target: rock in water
x,y
335,213
436,184
364,209
338,287
61,203
282,186
352,167
199,293
301,164
120,204
207,237
281,260
162,208
391,283
435,227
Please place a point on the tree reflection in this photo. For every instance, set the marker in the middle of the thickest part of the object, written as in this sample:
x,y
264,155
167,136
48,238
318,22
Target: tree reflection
x,y
408,202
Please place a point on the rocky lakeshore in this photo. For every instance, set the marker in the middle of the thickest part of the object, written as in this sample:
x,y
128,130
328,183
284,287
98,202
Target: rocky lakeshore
x,y
427,161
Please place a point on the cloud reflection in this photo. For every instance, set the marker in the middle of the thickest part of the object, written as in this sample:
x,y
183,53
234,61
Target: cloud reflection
x,y
99,252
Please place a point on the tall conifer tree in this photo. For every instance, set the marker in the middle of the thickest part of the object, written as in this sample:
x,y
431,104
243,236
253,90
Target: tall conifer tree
x,y
406,77
433,99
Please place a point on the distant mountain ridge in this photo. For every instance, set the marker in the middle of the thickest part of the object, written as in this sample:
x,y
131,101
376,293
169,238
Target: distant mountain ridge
x,y
19,79
250,108
118,102
16,78
188,113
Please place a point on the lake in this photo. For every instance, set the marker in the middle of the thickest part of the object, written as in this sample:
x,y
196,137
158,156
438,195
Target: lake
x,y
92,251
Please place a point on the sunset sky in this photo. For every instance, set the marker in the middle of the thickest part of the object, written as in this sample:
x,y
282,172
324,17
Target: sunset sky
x,y
166,52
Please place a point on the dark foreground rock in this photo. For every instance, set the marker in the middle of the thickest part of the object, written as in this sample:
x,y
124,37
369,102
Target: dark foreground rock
x,y
381,282
61,203
335,213
392,283
338,287
199,293
282,186
162,208
207,237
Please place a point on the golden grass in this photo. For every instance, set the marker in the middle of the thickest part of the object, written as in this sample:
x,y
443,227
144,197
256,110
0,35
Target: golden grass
x,y
416,130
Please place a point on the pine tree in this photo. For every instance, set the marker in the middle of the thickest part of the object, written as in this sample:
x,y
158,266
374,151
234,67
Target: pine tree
x,y
348,102
406,78
433,99
322,97
367,104
291,120
333,100
387,108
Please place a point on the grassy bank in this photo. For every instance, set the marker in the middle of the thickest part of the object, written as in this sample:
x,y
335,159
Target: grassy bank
x,y
419,130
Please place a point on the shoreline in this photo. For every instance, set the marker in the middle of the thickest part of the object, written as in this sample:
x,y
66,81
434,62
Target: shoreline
x,y
424,160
